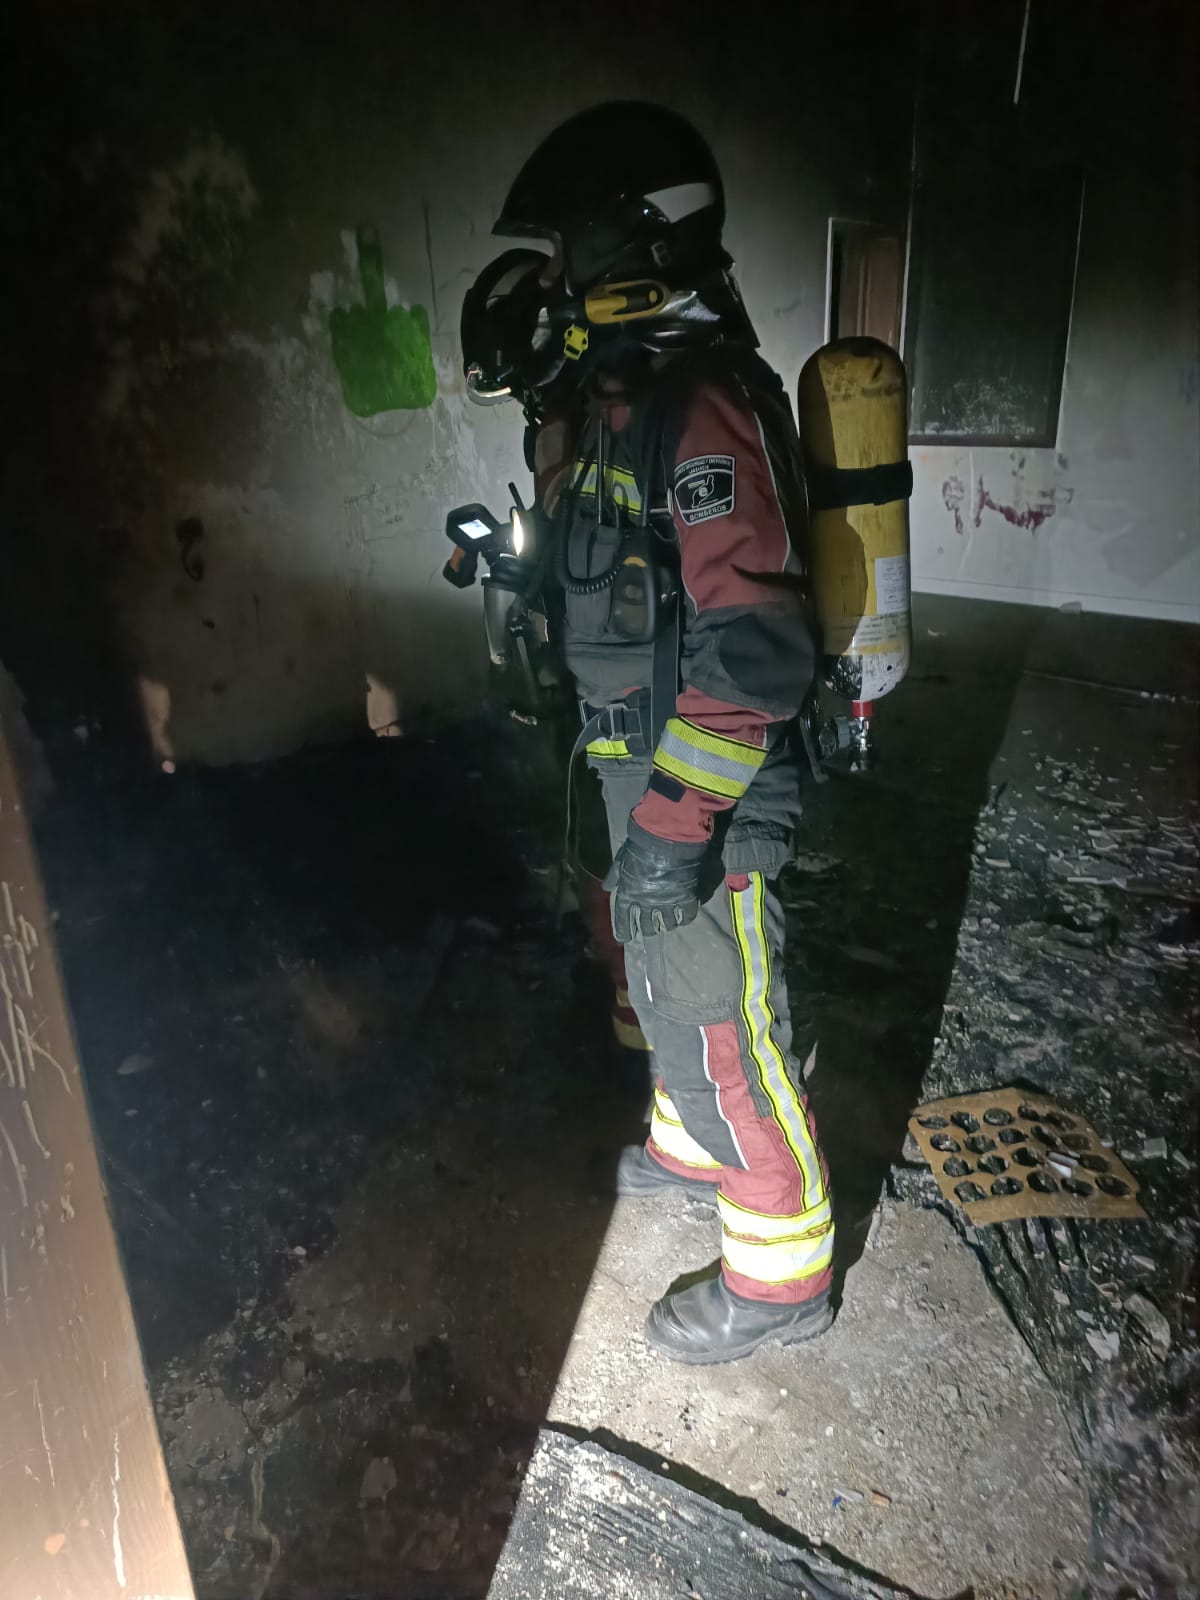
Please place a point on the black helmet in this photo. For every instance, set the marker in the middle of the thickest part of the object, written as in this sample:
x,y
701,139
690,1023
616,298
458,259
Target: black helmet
x,y
625,189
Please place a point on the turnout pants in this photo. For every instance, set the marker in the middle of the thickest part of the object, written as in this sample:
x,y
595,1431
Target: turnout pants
x,y
728,1108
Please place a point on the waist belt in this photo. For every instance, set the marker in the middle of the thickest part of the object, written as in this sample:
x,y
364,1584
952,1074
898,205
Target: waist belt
x,y
615,724
646,716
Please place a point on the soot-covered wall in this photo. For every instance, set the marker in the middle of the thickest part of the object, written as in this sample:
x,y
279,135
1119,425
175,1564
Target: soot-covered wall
x,y
239,240
214,484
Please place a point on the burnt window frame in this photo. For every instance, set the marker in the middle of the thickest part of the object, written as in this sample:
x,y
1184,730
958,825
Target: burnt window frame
x,y
1044,436
1008,91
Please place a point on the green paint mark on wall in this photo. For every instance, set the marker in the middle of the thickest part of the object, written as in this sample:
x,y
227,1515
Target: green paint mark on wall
x,y
382,354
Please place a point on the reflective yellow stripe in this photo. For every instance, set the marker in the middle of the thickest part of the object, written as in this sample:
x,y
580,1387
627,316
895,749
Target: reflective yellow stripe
x,y
696,779
761,1226
778,1260
608,749
620,485
673,1139
716,743
746,908
664,1107
776,1249
707,761
629,1034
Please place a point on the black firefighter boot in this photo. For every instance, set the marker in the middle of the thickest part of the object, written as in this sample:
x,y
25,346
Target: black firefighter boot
x,y
640,1177
707,1323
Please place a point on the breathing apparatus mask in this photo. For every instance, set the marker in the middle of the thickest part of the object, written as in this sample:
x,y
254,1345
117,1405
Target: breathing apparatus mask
x,y
629,198
521,335
508,344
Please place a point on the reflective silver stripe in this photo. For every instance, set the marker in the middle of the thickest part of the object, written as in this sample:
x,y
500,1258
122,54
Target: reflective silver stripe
x,y
741,1155
694,753
673,1139
761,1225
778,1261
759,1017
682,199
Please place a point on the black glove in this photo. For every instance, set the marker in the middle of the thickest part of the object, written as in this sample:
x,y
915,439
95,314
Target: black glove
x,y
655,884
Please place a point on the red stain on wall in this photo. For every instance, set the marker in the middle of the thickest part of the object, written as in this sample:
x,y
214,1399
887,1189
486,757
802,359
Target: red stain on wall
x,y
1028,516
1044,504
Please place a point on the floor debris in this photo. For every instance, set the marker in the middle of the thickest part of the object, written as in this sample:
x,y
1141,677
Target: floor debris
x,y
1153,1324
355,1201
591,1522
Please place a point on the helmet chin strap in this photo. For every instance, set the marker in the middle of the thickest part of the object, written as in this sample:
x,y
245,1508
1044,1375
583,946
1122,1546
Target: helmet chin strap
x,y
622,362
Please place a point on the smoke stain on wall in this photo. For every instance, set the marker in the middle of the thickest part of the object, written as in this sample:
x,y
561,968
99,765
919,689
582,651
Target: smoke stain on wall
x,y
181,256
382,353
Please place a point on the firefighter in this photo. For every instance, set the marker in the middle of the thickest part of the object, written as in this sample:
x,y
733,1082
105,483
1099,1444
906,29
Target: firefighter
x,y
505,358
549,449
675,528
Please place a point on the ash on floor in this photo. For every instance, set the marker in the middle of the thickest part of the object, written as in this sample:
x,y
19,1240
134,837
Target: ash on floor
x,y
350,1082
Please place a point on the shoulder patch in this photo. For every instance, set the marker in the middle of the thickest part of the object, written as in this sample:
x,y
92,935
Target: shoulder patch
x,y
704,488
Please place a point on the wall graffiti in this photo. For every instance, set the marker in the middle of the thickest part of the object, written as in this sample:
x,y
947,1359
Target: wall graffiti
x,y
1029,509
382,353
1030,514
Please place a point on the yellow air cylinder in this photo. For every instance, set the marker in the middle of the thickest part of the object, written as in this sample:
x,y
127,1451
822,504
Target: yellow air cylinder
x,y
853,420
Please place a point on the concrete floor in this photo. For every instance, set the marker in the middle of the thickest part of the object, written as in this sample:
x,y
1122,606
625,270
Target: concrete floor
x,y
922,1393
352,1102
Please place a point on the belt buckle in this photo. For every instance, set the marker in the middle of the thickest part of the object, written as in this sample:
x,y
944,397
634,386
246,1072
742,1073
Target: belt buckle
x,y
616,720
